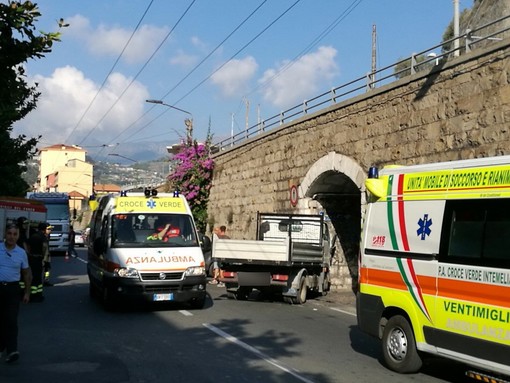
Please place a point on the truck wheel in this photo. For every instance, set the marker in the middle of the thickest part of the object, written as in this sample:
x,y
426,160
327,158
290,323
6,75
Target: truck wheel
x,y
399,347
301,295
242,293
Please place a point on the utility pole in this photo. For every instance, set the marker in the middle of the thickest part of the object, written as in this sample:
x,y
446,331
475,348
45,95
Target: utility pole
x,y
258,117
456,28
374,56
247,102
232,130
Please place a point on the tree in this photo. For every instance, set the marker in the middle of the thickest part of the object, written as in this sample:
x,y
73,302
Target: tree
x,y
448,34
404,67
18,43
192,176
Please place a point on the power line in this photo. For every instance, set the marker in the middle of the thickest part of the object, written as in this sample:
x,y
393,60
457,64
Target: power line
x,y
141,69
189,73
110,72
309,47
215,49
239,51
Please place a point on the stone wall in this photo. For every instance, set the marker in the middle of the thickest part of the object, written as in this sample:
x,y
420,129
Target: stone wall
x,y
459,110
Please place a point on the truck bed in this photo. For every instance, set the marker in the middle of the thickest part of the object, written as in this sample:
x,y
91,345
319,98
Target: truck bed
x,y
253,251
250,251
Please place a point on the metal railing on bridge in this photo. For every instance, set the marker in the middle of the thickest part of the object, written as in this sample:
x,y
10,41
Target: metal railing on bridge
x,y
426,59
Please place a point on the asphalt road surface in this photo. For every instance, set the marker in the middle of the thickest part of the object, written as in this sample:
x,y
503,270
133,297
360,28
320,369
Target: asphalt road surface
x,y
71,338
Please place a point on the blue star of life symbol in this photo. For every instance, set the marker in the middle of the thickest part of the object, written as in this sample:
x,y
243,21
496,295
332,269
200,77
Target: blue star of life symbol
x,y
151,204
424,225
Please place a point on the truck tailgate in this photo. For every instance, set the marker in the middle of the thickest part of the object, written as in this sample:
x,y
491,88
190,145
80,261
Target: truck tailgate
x,y
247,250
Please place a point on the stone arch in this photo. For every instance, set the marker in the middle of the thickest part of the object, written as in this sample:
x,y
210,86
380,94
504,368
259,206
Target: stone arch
x,y
337,163
337,183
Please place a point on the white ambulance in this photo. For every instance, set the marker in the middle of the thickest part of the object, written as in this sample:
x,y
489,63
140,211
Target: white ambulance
x,y
434,269
144,246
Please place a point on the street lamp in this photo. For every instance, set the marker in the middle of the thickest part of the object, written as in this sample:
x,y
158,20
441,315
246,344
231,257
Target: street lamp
x,y
118,155
434,55
188,122
170,106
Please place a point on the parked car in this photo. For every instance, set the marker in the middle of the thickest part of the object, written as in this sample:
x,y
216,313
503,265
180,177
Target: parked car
x,y
79,240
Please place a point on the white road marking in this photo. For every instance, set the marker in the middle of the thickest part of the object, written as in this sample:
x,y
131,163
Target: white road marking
x,y
186,313
260,354
79,259
344,311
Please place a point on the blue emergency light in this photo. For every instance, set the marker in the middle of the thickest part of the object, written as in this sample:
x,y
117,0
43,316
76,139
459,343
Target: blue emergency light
x,y
373,172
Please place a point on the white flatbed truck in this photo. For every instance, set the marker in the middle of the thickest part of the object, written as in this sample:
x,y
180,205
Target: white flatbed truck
x,y
291,257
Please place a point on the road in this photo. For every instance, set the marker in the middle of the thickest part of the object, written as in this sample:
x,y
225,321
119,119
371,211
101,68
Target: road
x,y
71,338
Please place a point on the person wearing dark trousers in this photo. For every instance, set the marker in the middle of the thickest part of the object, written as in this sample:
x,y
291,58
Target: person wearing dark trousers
x,y
37,251
13,266
71,251
47,259
23,226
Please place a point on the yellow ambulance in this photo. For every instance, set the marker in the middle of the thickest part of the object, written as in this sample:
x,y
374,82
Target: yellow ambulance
x,y
434,266
144,247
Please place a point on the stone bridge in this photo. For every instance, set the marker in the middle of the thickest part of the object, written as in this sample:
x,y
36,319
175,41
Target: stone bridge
x,y
459,109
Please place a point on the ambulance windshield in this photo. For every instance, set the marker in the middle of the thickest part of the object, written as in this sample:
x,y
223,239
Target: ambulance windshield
x,y
153,230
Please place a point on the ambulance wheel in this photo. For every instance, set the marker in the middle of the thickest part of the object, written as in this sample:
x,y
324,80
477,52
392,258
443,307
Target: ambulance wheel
x,y
399,347
108,299
301,295
92,291
197,303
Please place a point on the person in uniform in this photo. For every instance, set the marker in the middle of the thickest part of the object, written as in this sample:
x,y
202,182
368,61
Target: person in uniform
x,y
165,231
47,258
37,251
71,251
13,266
23,225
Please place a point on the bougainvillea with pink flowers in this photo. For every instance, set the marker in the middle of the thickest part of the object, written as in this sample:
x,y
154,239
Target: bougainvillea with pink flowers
x,y
192,176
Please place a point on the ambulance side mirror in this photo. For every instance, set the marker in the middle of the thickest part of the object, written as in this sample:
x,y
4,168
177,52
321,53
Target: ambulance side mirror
x,y
98,246
205,243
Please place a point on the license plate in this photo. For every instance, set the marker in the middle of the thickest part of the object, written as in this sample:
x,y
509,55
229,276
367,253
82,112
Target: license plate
x,y
163,297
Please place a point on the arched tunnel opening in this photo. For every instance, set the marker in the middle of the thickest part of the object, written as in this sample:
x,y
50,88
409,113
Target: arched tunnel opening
x,y
341,199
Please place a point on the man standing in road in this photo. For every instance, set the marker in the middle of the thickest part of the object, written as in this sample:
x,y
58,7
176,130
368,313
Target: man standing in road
x,y
47,258
23,225
218,232
13,266
71,251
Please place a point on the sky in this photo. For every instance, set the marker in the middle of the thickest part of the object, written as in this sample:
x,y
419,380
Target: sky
x,y
224,63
